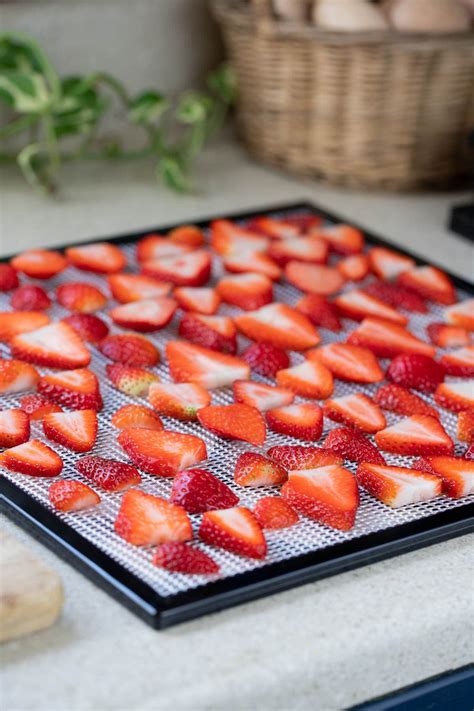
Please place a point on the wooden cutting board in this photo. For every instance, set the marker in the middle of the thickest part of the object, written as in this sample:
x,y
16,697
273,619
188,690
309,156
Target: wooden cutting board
x,y
31,594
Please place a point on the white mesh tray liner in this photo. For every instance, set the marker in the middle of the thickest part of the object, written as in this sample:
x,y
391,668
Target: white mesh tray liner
x,y
96,525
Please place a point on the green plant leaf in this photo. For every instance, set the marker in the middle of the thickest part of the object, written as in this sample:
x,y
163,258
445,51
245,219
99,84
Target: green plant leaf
x,y
222,82
25,93
18,52
194,107
147,107
171,172
36,167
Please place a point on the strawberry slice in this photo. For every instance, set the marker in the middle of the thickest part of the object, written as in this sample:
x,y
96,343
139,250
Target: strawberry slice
x,y
157,247
144,519
8,278
13,323
130,379
36,406
265,359
252,469
456,474
201,299
89,327
320,311
74,430
235,421
358,305
347,362
328,495
456,396
461,314
415,370
56,345
130,349
33,458
274,512
14,427
460,362
72,495
299,457
126,288
30,297
39,263
343,239
280,325
469,453
190,363
273,228
465,431
254,262
193,269
314,278
352,445
398,399
302,249
146,315
247,291
308,379
108,474
387,263
227,239
429,283
162,453
187,235
356,410
16,376
397,486
216,332
79,296
197,490
136,416
263,397
419,434
397,296
302,421
100,257
235,530
179,400
444,336
387,339
181,558
77,389
355,267
304,222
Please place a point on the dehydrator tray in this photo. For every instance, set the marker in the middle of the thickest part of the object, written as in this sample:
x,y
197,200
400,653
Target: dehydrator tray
x,y
306,552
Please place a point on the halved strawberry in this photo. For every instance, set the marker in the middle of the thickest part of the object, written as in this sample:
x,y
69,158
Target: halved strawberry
x,y
235,530
456,396
343,239
302,421
308,379
30,297
247,291
156,247
228,239
144,519
430,283
274,512
56,345
74,430
346,362
397,296
419,434
398,399
77,389
397,486
235,421
461,314
39,263
201,299
197,490
456,474
387,263
358,305
100,257
130,379
314,278
387,339
187,235
13,323
108,474
465,430
355,267
444,336
273,228
36,406
302,249
80,296
265,359
252,469
356,410
162,453
216,332
8,278
189,363
130,349
136,416
352,445
181,558
320,311
71,495
263,397
460,362
16,376
193,269
280,325
126,288
255,262
296,456
328,495
179,400
33,458
415,370
14,427
304,222
146,315
89,327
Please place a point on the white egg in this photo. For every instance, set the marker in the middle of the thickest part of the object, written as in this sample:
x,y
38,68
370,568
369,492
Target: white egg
x,y
348,16
296,10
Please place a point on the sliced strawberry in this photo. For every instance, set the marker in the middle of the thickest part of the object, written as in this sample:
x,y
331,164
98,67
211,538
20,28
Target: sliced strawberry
x,y
429,283
130,379
14,427
80,296
13,323
39,263
465,431
30,297
358,305
179,400
456,396
356,410
144,519
469,453
252,469
456,474
146,315
343,239
461,314
197,490
397,486
387,263
355,267
444,336
273,228
299,457
228,239
89,327
302,421
8,278
387,339
190,363
263,397
162,453
33,458
352,445
36,406
419,434
56,345
254,262
247,291
328,495
235,421
181,558
304,222
216,332
346,362
187,235
398,399
193,269
136,416
320,311
100,257
460,362
274,512
16,376
201,299
397,296
72,495
108,474
308,379
77,389
74,430
302,249
265,359
314,278
157,247
130,349
280,325
126,288
235,530
415,370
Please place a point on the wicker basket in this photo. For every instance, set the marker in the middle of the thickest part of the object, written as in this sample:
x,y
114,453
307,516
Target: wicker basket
x,y
380,110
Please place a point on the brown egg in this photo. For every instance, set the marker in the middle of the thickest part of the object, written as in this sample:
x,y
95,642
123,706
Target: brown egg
x,y
470,6
348,16
433,16
295,10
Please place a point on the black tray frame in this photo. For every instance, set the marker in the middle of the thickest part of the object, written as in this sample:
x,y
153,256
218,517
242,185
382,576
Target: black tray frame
x,y
161,612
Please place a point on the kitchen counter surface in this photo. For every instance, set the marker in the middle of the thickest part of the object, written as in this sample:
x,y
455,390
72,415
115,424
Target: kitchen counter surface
x,y
323,646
